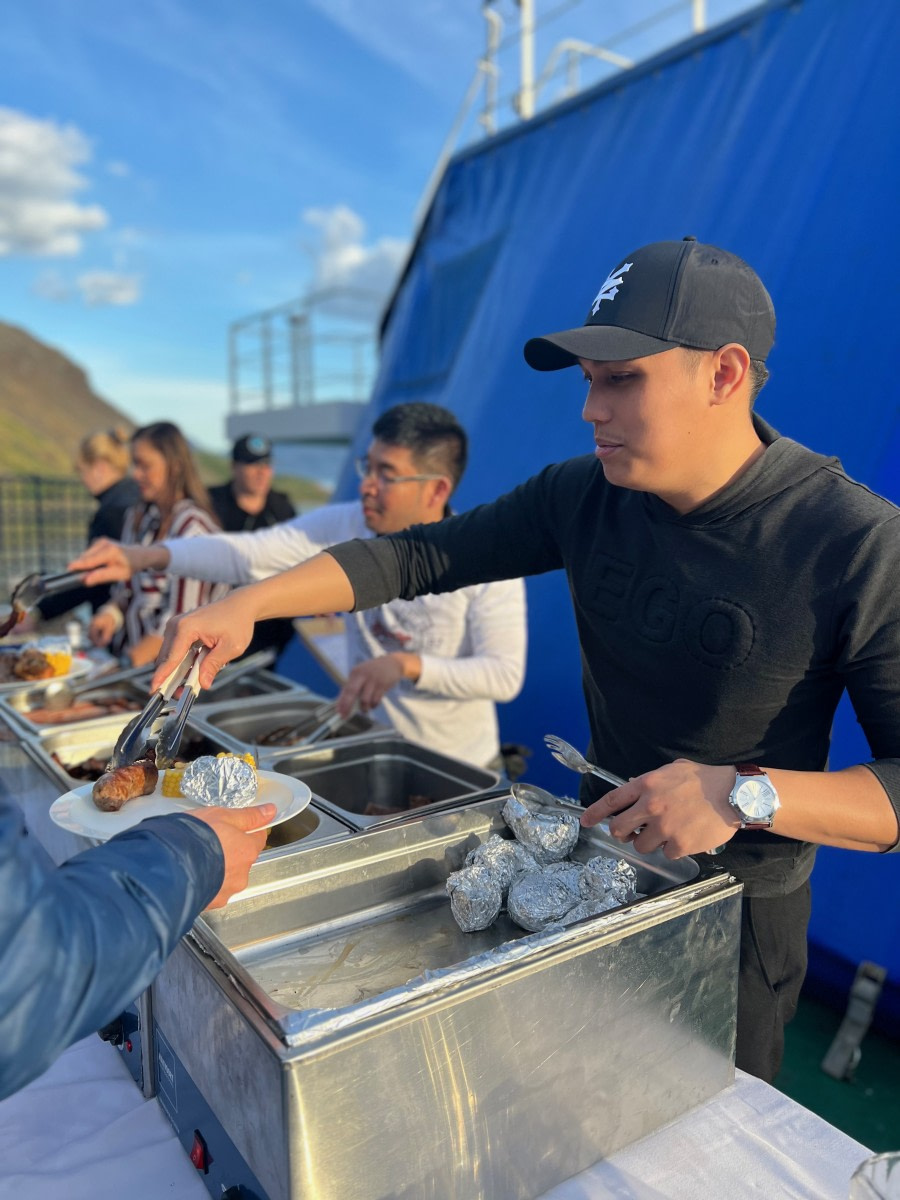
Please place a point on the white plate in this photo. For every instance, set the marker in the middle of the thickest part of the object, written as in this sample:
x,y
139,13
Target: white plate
x,y
77,812
79,668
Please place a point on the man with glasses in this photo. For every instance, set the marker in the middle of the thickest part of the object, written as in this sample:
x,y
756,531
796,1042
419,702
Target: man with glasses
x,y
432,667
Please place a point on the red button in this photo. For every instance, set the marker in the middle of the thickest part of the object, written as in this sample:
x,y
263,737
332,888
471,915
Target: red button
x,y
199,1154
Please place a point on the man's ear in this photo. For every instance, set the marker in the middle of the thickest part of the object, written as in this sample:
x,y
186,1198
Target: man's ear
x,y
731,368
443,490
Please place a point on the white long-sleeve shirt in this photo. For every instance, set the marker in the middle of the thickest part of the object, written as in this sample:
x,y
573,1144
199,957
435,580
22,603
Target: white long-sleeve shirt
x,y
472,642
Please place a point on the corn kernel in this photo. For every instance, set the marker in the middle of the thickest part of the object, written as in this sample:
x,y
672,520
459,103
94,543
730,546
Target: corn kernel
x,y
171,784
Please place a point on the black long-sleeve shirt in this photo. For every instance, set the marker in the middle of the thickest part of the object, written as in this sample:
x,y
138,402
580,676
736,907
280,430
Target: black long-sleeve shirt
x,y
724,635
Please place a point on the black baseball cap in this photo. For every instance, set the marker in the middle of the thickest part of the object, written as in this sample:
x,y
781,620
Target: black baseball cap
x,y
251,448
665,295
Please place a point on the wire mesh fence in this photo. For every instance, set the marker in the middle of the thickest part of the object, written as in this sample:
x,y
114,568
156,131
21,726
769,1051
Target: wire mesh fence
x,y
43,524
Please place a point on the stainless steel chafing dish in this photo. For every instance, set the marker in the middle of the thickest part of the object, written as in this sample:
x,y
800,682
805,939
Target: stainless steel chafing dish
x,y
249,724
369,781
132,694
333,1033
256,683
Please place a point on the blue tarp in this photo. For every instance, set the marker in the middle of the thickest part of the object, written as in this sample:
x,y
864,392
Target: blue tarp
x,y
775,136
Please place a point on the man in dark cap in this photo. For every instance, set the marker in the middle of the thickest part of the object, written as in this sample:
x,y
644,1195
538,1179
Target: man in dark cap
x,y
729,586
249,502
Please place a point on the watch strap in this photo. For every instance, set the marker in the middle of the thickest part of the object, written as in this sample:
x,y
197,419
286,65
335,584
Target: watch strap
x,y
748,769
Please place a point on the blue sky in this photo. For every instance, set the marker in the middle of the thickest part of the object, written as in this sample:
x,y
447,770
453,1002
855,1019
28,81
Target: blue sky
x,y
169,167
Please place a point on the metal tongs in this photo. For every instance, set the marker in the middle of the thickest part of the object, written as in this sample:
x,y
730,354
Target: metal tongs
x,y
135,741
312,727
35,587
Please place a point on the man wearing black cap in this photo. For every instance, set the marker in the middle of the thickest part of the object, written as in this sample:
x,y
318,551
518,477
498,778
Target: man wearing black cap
x,y
728,585
248,502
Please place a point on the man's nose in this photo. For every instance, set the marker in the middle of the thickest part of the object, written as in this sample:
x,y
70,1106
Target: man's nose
x,y
595,408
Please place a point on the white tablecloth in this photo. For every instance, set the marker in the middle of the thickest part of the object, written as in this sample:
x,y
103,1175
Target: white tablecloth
x,y
83,1131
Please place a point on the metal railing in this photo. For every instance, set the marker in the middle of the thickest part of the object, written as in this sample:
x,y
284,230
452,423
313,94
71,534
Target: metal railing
x,y
43,524
318,348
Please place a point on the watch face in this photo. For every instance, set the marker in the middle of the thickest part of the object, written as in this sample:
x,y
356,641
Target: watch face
x,y
756,799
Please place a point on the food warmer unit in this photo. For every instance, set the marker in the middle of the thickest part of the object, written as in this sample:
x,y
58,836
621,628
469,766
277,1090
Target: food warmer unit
x,y
332,1033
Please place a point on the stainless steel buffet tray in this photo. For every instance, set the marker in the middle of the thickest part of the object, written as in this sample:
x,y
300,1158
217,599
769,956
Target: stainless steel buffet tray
x,y
15,706
351,1041
244,723
367,781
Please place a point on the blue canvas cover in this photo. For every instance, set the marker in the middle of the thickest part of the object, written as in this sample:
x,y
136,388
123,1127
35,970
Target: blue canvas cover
x,y
775,136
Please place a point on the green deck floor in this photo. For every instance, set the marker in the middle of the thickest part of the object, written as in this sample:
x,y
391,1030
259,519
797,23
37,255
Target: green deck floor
x,y
866,1107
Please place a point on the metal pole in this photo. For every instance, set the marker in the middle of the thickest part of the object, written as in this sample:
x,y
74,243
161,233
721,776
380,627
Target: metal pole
x,y
294,341
525,99
265,334
488,68
699,15
233,370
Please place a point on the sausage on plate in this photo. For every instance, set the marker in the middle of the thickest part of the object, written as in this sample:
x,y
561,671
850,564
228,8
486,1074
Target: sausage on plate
x,y
114,788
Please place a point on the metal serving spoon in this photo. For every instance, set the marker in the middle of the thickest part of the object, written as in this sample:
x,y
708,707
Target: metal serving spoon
x,y
530,792
59,694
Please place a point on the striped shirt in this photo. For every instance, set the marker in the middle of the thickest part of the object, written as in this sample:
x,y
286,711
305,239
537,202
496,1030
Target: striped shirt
x,y
150,598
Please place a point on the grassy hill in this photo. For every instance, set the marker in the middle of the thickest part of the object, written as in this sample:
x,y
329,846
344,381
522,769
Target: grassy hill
x,y
47,405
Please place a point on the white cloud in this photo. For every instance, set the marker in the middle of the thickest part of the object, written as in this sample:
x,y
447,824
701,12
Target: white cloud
x,y
342,260
38,178
108,288
119,169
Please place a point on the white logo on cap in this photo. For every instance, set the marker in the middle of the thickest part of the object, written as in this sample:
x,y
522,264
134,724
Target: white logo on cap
x,y
610,288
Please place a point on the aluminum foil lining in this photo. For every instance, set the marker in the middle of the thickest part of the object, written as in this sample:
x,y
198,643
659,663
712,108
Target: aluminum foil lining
x,y
605,876
549,836
475,897
223,782
542,897
504,858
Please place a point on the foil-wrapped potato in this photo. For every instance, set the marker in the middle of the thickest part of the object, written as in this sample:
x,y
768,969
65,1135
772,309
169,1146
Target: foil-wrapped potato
x,y
549,835
224,781
475,897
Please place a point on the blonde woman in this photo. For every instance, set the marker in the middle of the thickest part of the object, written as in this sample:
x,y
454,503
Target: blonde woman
x,y
103,462
173,503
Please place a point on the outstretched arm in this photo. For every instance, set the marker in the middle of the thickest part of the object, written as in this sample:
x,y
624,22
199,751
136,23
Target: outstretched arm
x,y
683,808
226,627
78,944
107,561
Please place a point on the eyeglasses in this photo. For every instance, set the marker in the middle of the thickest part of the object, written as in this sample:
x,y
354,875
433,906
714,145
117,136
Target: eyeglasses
x,y
384,476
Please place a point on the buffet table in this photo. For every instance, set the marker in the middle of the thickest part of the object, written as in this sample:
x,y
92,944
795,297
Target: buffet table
x,y
357,971
84,1131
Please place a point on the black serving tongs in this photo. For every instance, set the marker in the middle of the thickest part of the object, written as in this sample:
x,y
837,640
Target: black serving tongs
x,y
35,587
134,740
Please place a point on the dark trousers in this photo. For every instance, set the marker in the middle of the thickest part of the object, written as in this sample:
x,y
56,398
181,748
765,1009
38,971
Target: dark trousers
x,y
773,966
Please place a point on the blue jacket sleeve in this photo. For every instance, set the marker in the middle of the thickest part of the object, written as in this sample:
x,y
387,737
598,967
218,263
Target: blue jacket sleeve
x,y
78,943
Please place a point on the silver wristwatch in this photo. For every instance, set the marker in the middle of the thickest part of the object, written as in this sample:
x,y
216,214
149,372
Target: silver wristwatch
x,y
753,797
